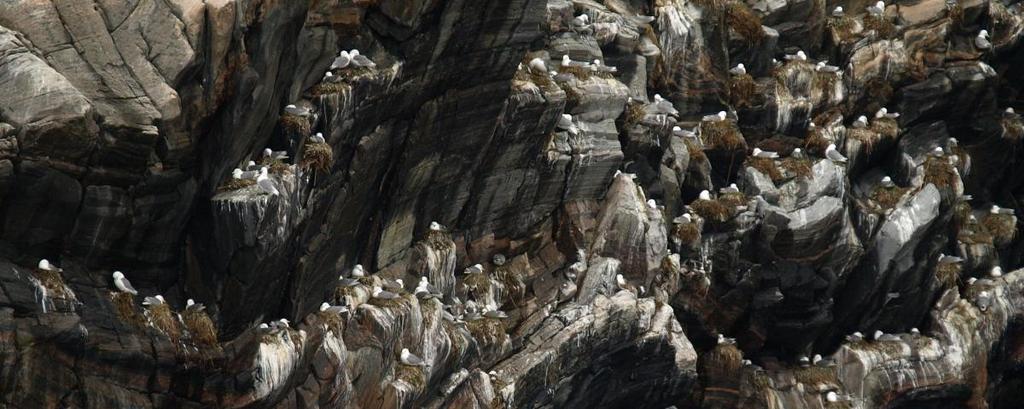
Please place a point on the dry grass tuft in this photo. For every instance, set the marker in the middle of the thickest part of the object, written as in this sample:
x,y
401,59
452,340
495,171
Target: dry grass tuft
x,y
825,81
767,167
816,375
634,113
124,306
865,136
975,233
743,91
722,135
332,321
723,362
318,157
843,26
816,142
947,274
886,127
733,199
294,123
582,73
939,172
888,197
881,25
477,285
413,375
515,288
1013,129
55,286
200,328
327,88
711,210
440,240
1002,227
572,97
235,184
489,331
688,234
799,167
695,150
392,303
746,23
161,317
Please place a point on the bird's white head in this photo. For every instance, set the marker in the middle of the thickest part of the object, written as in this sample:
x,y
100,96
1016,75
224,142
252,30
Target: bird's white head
x,y
405,353
324,306
797,150
1010,110
757,151
721,115
328,74
862,118
886,180
878,334
160,297
283,322
831,147
44,264
353,53
741,66
190,302
567,117
267,152
996,271
983,34
880,5
801,55
687,218
565,59
344,53
658,98
838,10
290,106
435,226
118,275
705,195
652,204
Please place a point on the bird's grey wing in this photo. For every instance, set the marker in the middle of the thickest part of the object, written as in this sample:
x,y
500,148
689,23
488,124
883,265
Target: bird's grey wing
x,y
127,285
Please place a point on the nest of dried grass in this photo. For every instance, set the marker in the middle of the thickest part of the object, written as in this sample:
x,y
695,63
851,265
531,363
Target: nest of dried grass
x,y
799,167
55,286
975,233
722,135
332,321
582,73
947,274
572,97
201,330
489,331
940,172
392,303
710,5
161,317
634,113
1002,227
816,142
515,288
695,150
742,91
275,166
723,362
294,123
1013,129
440,240
124,306
688,234
767,167
235,184
733,199
888,197
879,92
816,375
318,157
865,136
886,127
477,284
327,88
881,25
825,81
743,20
844,27
711,210
412,375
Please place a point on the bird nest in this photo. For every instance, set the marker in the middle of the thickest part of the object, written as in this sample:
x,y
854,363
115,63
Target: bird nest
x,y
940,172
1002,227
816,375
723,362
878,92
733,199
816,142
440,240
201,329
881,25
634,113
710,5
695,150
688,233
743,20
766,166
572,97
582,73
947,274
865,136
513,283
297,124
888,348
275,166
1013,129
721,135
124,307
712,210
845,27
412,375
974,233
477,284
396,302
235,184
888,197
327,88
318,157
488,331
332,321
54,284
742,90
886,127
161,318
799,167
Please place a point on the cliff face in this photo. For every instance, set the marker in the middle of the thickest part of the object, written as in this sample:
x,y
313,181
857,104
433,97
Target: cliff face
x,y
577,187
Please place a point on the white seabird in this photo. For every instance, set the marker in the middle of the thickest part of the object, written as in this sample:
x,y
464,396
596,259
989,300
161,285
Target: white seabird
x,y
620,282
732,188
822,362
720,116
758,153
984,300
330,77
565,122
333,309
804,361
317,138
581,20
346,282
855,337
661,106
380,294
191,304
435,226
915,331
276,155
425,290
122,284
360,60
568,62
599,67
739,69
249,174
291,109
723,340
537,65
887,182
877,9
45,265
822,66
474,269
799,56
652,204
341,61
704,195
492,311
358,271
884,113
685,133
407,358
947,259
861,122
797,152
981,41
838,12
832,154
831,396
251,165
996,272
265,183
157,300
995,209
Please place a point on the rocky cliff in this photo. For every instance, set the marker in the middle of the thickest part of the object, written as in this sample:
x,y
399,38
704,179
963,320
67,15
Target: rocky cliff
x,y
511,203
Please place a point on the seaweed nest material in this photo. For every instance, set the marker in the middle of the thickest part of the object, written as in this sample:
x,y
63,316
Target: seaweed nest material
x,y
816,375
582,73
733,199
816,142
200,328
743,20
721,363
318,157
695,150
1002,227
412,375
721,135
